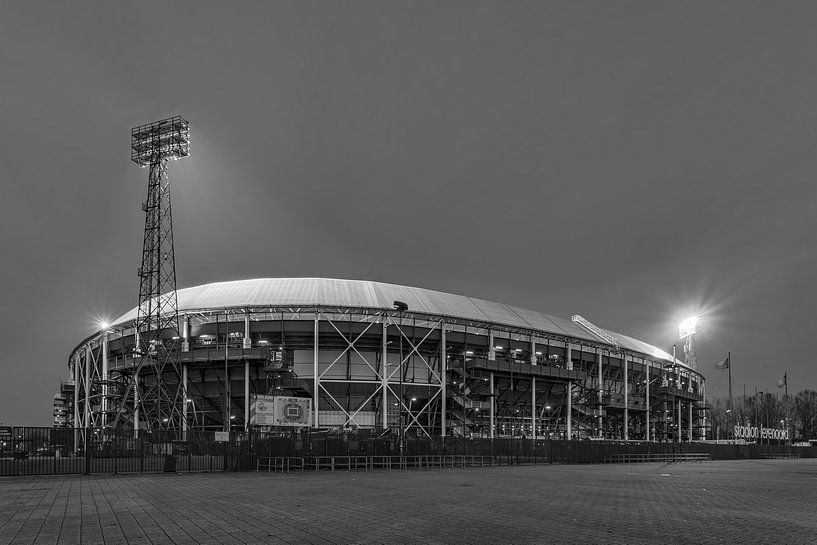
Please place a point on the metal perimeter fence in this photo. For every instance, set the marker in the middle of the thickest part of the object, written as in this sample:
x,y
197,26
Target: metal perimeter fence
x,y
57,451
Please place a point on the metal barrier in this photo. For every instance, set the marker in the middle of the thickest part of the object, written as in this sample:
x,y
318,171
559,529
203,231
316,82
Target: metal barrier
x,y
665,457
368,463
279,463
55,451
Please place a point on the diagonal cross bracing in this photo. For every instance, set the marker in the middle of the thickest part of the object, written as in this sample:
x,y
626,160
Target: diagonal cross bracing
x,y
351,346
415,349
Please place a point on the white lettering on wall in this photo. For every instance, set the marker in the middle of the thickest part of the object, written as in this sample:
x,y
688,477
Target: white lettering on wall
x,y
753,432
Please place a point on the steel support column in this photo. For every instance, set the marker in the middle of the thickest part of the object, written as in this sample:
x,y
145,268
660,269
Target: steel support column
x,y
689,434
443,369
104,379
678,427
76,402
246,394
601,394
185,334
384,377
626,398
647,394
316,379
186,402
493,405
533,404
136,402
247,341
87,407
702,389
569,364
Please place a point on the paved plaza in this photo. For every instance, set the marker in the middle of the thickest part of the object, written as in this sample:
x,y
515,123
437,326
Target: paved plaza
x,y
752,501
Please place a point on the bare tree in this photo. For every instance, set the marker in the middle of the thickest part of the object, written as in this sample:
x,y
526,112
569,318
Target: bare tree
x,y
804,414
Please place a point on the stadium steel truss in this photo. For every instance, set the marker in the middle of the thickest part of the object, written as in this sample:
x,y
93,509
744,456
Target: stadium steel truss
x,y
468,367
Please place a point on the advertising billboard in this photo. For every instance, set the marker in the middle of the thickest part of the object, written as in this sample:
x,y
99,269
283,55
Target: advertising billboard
x,y
281,411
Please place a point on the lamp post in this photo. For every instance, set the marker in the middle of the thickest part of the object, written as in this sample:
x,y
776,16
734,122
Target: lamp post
x,y
401,307
410,405
549,425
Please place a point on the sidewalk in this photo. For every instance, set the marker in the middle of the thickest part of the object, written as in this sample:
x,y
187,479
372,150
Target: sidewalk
x,y
752,501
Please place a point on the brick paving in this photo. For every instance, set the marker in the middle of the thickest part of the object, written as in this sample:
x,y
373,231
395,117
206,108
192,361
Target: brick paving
x,y
751,501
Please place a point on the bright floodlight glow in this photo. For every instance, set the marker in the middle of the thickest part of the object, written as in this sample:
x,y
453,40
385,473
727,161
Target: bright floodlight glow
x,y
688,327
104,325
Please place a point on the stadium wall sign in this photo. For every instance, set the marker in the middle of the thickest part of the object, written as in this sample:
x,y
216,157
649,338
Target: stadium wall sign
x,y
753,432
280,411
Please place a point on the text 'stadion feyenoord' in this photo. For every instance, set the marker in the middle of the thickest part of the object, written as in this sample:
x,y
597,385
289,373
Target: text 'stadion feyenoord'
x,y
753,432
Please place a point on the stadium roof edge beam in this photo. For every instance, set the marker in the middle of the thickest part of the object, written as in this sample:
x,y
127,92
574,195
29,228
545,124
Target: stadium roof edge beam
x,y
308,293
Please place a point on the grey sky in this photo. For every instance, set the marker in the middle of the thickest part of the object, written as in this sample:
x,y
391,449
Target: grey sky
x,y
634,162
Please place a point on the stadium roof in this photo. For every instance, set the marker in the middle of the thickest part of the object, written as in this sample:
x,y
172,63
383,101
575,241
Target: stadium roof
x,y
325,292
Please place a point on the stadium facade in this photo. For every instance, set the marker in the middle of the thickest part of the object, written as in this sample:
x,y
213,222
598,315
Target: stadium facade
x,y
448,365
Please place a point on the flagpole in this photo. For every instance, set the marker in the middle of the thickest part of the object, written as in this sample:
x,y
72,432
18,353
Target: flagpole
x,y
729,368
786,404
754,407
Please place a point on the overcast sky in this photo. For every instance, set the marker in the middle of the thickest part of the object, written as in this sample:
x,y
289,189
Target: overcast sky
x,y
633,162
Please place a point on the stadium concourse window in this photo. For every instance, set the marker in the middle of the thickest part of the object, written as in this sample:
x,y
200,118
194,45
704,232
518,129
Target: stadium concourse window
x,y
234,339
205,340
555,360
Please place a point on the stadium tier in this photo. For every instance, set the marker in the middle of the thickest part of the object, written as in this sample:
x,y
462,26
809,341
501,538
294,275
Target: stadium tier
x,y
347,354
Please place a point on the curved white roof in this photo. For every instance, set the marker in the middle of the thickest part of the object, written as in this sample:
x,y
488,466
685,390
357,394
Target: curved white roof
x,y
306,292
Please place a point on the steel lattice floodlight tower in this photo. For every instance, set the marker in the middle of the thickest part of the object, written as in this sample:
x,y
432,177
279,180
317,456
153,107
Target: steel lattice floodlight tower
x,y
156,382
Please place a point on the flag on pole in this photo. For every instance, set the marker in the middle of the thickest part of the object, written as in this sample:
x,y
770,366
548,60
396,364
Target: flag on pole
x,y
782,382
723,364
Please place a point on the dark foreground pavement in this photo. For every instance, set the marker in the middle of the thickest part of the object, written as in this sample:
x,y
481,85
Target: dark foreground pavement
x,y
752,501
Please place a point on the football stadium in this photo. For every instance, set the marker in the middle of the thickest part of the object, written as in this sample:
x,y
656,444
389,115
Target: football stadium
x,y
346,355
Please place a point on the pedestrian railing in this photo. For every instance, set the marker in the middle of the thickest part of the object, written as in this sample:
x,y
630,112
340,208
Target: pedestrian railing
x,y
663,457
349,463
781,456
279,463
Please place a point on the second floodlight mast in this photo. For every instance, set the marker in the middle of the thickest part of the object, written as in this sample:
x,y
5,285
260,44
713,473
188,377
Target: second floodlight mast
x,y
156,386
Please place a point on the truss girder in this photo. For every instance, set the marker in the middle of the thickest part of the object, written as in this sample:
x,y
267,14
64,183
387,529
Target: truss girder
x,y
381,381
351,346
415,349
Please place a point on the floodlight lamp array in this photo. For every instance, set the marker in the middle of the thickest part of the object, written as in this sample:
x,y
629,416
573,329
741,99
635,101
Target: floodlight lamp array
x,y
688,327
165,140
